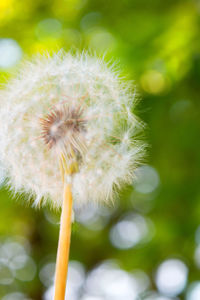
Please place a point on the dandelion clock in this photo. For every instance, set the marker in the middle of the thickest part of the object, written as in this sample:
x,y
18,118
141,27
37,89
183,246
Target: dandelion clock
x,y
68,133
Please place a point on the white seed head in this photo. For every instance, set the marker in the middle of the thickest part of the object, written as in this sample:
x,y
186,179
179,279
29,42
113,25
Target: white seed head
x,y
71,105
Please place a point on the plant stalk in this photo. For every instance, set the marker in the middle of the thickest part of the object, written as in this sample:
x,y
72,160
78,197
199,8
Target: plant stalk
x,y
63,244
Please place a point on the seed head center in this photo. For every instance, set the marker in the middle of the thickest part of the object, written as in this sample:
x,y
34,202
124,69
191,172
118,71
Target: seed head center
x,y
64,127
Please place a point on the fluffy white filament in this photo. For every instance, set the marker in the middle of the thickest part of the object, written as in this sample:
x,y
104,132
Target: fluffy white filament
x,y
111,152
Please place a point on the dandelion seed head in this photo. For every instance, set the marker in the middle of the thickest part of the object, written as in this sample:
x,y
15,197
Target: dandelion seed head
x,y
77,106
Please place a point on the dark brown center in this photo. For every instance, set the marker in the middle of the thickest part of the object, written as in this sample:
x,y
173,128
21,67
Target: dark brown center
x,y
63,125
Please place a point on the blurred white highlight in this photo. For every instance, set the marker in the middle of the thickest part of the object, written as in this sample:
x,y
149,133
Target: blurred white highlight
x,y
171,277
108,281
15,262
193,292
147,179
10,53
130,231
15,296
94,216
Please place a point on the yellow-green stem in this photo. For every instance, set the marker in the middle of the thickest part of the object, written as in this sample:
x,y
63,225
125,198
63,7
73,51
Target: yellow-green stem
x,y
63,244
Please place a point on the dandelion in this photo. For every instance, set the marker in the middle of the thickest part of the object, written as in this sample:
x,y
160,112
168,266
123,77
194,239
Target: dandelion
x,y
67,123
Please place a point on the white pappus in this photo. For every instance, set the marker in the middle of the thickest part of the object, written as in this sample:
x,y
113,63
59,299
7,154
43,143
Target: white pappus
x,y
71,105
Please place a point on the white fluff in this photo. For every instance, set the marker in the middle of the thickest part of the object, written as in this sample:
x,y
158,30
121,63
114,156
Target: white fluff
x,y
113,151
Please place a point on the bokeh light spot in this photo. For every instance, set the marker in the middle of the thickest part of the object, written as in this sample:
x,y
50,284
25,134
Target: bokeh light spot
x,y
171,277
10,53
153,82
128,232
193,292
147,179
93,216
46,274
27,272
110,282
15,296
48,27
13,254
101,40
90,20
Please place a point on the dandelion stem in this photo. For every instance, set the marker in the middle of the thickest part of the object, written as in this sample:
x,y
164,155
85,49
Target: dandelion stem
x,y
63,244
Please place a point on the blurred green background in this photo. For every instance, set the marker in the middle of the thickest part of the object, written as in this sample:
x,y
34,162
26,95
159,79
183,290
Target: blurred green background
x,y
148,245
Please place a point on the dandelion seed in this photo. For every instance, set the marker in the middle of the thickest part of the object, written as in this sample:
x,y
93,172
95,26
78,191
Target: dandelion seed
x,y
68,115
